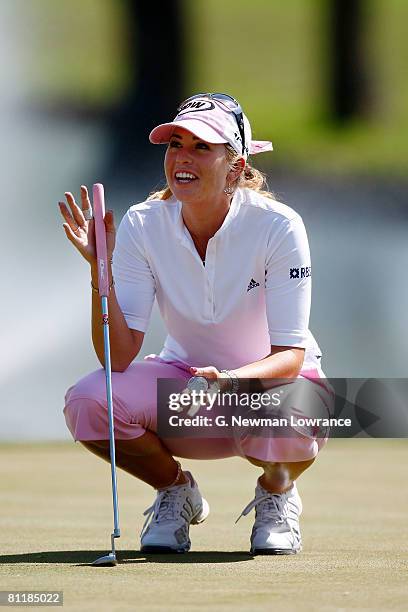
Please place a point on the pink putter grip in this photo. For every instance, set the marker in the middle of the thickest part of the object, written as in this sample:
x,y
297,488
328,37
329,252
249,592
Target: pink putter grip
x,y
100,234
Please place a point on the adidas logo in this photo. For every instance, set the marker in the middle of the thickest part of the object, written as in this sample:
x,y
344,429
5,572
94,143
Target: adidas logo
x,y
252,285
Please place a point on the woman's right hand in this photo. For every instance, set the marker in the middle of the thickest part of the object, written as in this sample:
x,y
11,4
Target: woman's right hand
x,y
81,232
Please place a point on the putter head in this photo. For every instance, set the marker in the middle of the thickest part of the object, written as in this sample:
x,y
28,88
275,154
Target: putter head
x,y
107,560
110,559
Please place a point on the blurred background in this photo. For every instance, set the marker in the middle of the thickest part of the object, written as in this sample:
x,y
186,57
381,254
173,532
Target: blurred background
x,y
84,82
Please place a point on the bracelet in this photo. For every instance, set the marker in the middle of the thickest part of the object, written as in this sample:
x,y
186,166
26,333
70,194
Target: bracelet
x,y
234,380
96,290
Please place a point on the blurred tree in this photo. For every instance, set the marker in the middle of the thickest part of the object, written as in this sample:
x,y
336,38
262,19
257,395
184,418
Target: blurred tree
x,y
156,44
348,74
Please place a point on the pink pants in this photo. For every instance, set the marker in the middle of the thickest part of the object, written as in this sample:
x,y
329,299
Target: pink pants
x,y
135,411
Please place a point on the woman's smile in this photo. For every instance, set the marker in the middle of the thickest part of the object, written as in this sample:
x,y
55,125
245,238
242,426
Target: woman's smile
x,y
196,170
182,177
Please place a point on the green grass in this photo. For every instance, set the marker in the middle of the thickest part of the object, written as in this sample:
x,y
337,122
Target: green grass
x,y
56,517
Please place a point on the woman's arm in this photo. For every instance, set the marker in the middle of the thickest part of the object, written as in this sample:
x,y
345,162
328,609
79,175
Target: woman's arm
x,y
125,343
282,362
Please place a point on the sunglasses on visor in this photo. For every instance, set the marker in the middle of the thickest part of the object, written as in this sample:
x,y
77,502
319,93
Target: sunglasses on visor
x,y
230,104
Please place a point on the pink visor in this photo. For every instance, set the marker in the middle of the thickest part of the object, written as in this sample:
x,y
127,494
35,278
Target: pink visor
x,y
212,123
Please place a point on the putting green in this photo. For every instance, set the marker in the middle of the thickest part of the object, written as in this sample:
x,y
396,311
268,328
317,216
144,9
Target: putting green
x,y
56,517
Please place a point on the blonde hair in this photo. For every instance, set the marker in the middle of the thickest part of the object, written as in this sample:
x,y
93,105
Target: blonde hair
x,y
250,178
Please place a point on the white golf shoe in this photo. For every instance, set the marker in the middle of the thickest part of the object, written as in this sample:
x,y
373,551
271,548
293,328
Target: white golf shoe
x,y
166,529
276,529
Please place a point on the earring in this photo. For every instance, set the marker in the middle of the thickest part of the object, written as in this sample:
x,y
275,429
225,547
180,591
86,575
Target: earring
x,y
228,190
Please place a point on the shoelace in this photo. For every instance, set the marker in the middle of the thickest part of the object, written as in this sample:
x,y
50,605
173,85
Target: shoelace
x,y
163,508
276,508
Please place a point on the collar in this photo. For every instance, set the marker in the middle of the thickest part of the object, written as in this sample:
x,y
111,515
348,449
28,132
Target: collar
x,y
181,230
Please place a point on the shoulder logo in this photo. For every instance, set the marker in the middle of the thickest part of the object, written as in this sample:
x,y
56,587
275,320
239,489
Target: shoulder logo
x,y
195,105
303,272
252,284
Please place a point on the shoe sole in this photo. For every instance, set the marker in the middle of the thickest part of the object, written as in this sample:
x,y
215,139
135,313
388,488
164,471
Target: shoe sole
x,y
162,550
275,551
167,550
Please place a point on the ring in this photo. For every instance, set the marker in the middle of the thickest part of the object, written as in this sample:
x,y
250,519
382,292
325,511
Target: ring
x,y
87,214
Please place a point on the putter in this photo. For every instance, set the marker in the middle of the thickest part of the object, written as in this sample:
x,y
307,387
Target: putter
x,y
103,284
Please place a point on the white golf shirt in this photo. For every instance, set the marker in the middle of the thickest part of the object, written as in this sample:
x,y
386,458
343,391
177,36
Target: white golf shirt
x,y
254,290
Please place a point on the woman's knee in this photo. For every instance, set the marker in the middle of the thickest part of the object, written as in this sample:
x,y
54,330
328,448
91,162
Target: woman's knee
x,y
86,418
85,408
91,387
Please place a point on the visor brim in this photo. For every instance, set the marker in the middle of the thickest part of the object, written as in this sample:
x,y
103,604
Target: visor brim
x,y
162,133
